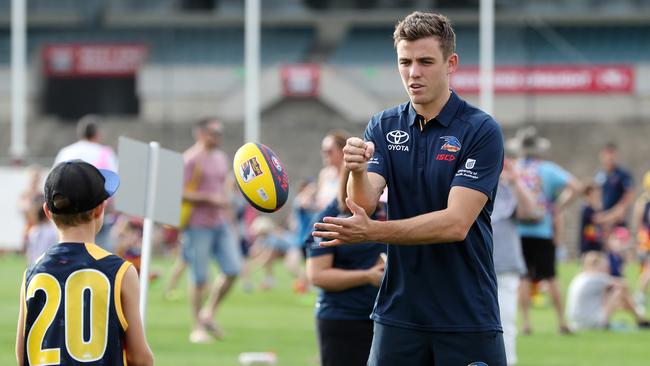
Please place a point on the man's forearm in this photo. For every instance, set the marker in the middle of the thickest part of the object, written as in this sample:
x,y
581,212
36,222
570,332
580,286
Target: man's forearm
x,y
361,191
431,228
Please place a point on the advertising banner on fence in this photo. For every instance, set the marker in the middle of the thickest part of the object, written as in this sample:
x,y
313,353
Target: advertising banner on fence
x,y
93,60
550,79
300,80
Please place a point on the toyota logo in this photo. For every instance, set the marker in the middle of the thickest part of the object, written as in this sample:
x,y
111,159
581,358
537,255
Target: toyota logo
x,y
397,137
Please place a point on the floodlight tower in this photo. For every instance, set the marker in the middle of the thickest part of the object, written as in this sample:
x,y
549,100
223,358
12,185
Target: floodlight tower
x,y
486,56
18,146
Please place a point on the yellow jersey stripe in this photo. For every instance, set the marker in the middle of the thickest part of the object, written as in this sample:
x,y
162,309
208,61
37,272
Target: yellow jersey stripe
x,y
23,302
117,293
96,252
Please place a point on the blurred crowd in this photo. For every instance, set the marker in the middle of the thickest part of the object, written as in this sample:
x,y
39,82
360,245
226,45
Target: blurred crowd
x,y
528,226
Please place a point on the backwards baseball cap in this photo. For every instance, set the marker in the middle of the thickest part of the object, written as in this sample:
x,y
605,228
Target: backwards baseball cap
x,y
81,186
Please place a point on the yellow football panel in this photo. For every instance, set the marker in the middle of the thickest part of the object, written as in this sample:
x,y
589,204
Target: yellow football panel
x,y
261,188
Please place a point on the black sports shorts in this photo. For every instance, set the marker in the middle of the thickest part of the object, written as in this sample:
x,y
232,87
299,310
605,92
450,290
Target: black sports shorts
x,y
539,255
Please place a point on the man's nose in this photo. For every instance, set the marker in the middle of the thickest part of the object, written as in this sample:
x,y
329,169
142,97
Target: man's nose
x,y
414,71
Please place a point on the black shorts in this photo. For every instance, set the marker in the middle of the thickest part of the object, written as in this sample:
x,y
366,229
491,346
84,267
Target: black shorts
x,y
394,346
344,342
539,255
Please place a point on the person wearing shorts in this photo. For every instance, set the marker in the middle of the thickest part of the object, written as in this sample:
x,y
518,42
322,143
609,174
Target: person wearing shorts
x,y
208,234
554,188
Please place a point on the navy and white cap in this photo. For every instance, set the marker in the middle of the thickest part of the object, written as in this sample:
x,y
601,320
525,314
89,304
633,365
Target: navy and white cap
x,y
78,186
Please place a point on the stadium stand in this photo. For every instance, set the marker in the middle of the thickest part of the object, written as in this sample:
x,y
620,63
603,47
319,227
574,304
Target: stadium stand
x,y
515,45
179,46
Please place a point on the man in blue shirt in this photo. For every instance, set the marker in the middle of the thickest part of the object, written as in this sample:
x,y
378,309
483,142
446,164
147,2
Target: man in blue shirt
x,y
441,159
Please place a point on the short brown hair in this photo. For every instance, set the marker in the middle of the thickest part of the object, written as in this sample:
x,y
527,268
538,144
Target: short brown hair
x,y
340,137
419,25
68,220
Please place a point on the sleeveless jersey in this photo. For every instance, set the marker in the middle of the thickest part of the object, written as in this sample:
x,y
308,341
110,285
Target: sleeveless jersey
x,y
73,309
643,236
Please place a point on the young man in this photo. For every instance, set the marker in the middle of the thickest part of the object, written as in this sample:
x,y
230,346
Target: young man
x,y
441,159
208,234
79,304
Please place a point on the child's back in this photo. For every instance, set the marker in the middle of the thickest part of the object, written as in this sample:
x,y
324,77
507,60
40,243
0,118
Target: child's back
x,y
73,296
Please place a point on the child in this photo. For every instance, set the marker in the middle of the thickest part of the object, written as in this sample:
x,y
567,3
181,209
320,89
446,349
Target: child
x,y
641,218
41,234
76,276
590,231
594,295
618,244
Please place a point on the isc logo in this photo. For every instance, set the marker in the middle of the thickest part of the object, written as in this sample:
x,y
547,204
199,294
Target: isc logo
x,y
445,157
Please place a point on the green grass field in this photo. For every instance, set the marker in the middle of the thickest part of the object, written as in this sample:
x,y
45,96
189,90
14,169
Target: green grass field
x,y
282,322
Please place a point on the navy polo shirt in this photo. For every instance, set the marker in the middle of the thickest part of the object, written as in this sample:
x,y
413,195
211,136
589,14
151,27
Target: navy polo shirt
x,y
354,303
613,185
447,287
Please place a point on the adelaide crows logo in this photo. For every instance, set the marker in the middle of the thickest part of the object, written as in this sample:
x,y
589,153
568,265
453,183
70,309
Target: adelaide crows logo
x,y
451,144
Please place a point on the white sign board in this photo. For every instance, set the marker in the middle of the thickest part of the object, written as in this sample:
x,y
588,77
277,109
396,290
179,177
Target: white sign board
x,y
131,197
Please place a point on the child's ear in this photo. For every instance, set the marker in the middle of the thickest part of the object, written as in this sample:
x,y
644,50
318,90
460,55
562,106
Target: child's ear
x,y
97,212
48,214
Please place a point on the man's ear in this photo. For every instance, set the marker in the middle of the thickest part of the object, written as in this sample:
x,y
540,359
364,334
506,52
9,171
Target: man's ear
x,y
452,63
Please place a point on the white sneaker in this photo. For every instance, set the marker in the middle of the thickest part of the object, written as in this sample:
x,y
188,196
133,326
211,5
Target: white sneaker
x,y
200,336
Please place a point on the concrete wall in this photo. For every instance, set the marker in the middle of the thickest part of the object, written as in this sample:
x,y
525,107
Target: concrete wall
x,y
179,94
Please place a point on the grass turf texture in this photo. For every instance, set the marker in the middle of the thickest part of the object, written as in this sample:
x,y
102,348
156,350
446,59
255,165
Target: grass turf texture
x,y
282,322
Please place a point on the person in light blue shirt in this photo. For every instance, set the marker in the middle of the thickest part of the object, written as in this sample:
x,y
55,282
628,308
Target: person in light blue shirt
x,y
554,188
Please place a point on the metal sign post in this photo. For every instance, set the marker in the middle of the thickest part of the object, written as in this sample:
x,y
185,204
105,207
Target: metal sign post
x,y
153,191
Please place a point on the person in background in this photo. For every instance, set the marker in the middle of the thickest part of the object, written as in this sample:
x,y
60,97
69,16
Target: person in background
x,y
208,234
127,235
617,188
641,221
90,149
274,242
303,209
349,278
245,214
513,202
554,188
33,190
591,236
42,233
618,245
594,295
328,178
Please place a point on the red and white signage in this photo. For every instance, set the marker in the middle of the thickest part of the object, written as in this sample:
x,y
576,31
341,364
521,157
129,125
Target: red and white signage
x,y
550,79
300,80
93,60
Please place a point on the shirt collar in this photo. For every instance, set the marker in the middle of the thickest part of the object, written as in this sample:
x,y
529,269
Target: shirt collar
x,y
445,116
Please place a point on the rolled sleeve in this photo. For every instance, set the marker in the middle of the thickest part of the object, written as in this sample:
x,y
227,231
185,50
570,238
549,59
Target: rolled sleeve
x,y
377,163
